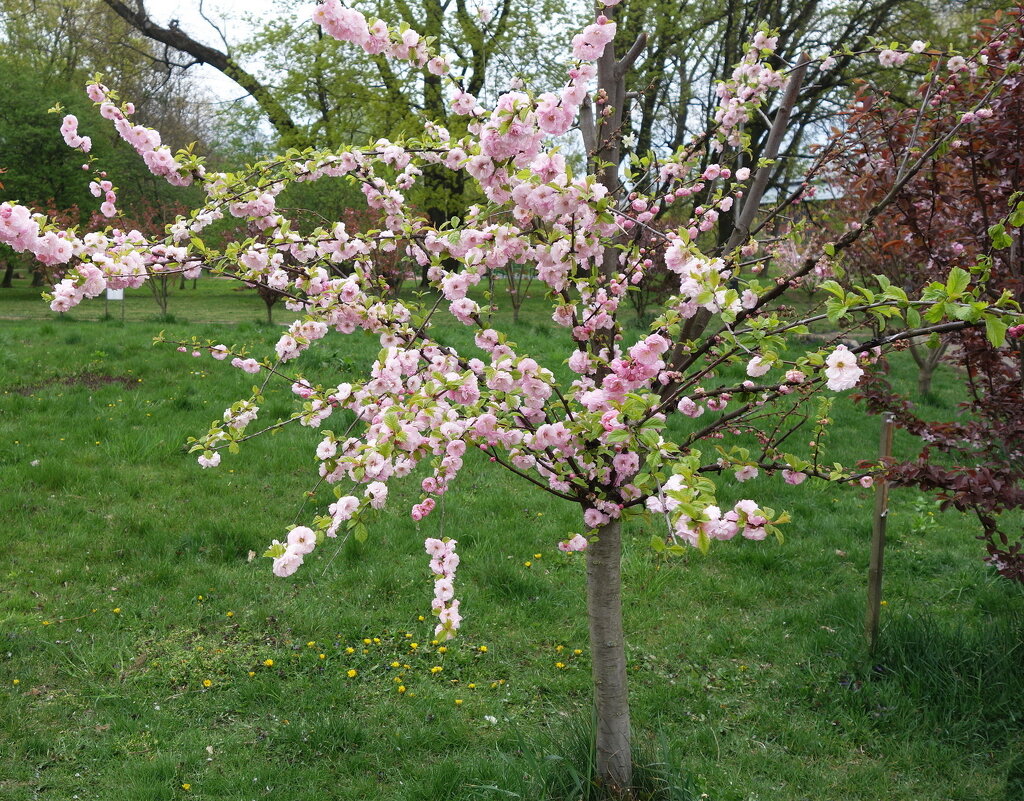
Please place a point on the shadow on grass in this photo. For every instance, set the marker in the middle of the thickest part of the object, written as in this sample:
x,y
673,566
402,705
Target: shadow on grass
x,y
560,765
949,679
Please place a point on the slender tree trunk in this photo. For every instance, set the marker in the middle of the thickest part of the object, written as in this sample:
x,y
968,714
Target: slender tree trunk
x,y
8,275
608,657
924,378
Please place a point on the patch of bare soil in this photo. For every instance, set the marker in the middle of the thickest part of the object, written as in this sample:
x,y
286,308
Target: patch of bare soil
x,y
87,379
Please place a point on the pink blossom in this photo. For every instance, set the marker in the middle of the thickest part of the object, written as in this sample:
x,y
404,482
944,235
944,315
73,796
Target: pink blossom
x,y
842,372
301,540
211,460
746,473
576,543
793,476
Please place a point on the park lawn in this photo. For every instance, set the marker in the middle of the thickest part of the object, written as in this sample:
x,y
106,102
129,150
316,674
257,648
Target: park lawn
x,y
128,586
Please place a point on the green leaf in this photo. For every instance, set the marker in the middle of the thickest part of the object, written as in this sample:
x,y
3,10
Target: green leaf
x,y
995,330
913,318
957,282
657,543
275,551
703,541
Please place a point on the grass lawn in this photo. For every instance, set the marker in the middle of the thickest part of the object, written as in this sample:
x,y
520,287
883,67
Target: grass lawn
x,y
146,657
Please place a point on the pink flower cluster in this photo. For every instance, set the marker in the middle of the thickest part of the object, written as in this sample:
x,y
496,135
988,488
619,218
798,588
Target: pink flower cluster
x,y
589,44
105,189
349,25
146,141
19,228
69,130
443,563
301,541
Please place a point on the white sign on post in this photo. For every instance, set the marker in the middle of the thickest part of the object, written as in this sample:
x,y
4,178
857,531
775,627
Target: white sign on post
x,y
115,294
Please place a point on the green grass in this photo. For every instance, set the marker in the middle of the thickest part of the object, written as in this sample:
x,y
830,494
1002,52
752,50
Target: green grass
x,y
749,675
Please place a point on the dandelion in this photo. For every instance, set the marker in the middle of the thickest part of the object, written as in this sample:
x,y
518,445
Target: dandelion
x,y
311,643
483,649
16,681
458,702
471,686
414,645
420,619
527,564
268,662
396,664
186,787
350,650
442,649
351,673
367,641
537,555
252,673
436,669
577,651
323,656
207,683
559,665
401,688
230,614
117,610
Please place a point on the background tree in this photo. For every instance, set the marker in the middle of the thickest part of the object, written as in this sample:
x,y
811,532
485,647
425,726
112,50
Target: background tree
x,y
961,211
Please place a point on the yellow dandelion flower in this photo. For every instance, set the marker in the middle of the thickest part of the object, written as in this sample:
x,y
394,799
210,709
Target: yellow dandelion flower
x,y
577,651
268,662
311,643
395,664
442,649
420,619
401,688
471,686
16,681
351,673
323,656
186,787
537,555
414,645
376,640
483,649
527,564
559,665
46,622
458,702
350,650
367,641
436,669
252,673
207,683
230,614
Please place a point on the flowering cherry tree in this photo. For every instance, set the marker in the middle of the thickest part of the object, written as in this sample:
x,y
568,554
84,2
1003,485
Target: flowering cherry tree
x,y
715,387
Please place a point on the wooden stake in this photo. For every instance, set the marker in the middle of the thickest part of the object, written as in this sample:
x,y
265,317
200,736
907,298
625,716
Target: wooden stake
x,y
878,539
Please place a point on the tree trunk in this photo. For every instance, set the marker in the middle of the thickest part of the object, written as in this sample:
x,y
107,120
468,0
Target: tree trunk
x,y
924,378
608,657
8,275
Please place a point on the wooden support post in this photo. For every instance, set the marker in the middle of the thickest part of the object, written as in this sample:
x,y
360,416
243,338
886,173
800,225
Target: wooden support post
x,y
878,539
